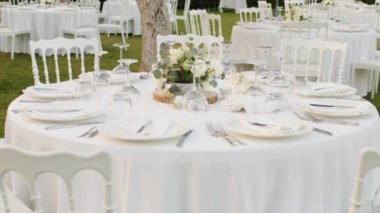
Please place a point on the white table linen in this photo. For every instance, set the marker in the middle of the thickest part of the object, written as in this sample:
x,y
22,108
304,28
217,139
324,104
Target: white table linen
x,y
312,173
112,7
232,4
361,47
45,23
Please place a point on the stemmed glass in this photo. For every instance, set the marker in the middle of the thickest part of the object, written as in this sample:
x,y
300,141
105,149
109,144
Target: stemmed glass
x,y
128,89
195,100
120,69
265,71
228,67
279,10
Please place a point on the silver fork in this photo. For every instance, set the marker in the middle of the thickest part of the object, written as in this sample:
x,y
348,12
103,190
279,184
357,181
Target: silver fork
x,y
319,120
222,131
324,132
213,132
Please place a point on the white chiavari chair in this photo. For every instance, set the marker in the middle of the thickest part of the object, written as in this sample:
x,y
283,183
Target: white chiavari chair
x,y
123,17
211,44
197,23
185,16
251,14
212,25
313,60
265,8
172,40
85,22
61,44
172,9
305,30
31,165
369,159
7,25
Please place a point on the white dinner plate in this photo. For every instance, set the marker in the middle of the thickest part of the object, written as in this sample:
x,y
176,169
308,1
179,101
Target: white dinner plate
x,y
340,107
174,129
273,130
60,115
326,90
53,92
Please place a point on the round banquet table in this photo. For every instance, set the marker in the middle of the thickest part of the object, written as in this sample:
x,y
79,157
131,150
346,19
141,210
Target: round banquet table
x,y
312,173
361,47
112,7
44,23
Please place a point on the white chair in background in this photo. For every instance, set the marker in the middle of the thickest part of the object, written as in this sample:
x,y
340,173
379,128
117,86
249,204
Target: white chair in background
x,y
183,17
197,23
213,45
305,30
59,44
313,59
289,3
172,9
7,25
63,164
373,66
265,8
251,14
123,18
86,22
172,40
368,160
212,25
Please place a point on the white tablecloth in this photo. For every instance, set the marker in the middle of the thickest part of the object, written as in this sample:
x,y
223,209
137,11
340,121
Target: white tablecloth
x,y
233,4
361,47
43,23
312,173
112,7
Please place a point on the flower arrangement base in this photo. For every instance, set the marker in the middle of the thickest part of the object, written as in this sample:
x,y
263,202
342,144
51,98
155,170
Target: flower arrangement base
x,y
168,98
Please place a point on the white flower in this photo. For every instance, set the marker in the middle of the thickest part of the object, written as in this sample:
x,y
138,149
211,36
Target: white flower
x,y
217,66
199,69
175,55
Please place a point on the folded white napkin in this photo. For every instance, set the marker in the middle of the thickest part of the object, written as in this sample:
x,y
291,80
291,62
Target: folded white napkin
x,y
358,107
58,114
232,104
270,129
320,89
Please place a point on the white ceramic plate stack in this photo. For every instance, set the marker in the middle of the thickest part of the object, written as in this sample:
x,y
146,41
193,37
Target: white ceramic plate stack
x,y
326,90
53,91
154,130
264,127
330,107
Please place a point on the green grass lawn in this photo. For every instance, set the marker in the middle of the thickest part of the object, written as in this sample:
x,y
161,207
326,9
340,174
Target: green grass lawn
x,y
16,74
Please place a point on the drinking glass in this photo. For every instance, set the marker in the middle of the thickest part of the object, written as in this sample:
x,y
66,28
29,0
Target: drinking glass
x,y
127,89
195,100
120,69
228,66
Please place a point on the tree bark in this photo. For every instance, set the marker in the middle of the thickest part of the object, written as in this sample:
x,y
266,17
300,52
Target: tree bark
x,y
155,21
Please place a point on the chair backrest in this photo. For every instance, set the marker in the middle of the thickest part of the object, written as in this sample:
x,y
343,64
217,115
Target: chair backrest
x,y
197,22
251,14
171,40
60,44
172,7
306,30
213,45
289,3
368,160
64,164
86,14
186,7
265,8
212,25
18,2
313,60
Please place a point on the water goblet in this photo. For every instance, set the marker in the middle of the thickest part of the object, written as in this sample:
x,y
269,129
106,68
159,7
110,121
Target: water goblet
x,y
195,100
120,69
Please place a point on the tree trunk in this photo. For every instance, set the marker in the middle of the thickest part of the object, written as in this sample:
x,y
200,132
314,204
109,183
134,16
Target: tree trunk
x,y
155,21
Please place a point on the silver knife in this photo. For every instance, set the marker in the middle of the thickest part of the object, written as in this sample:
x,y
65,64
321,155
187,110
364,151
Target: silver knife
x,y
322,131
183,138
331,106
143,126
72,125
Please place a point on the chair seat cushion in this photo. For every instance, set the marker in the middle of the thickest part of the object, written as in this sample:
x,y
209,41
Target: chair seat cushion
x,y
8,31
371,64
108,26
82,31
121,18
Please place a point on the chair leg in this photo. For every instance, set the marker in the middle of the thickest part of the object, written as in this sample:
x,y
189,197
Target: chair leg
x,y
353,72
373,84
376,81
13,47
176,27
122,34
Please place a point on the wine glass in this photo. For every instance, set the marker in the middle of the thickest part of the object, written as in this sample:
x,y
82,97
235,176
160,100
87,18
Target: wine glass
x,y
228,67
264,54
195,100
128,89
120,69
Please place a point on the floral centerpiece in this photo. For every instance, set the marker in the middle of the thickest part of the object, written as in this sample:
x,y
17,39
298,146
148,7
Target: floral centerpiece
x,y
178,66
295,14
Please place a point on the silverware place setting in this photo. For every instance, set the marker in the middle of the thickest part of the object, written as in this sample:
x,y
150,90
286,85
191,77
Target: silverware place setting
x,y
219,132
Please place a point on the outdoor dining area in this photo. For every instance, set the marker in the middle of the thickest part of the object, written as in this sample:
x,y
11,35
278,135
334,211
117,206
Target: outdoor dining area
x,y
186,106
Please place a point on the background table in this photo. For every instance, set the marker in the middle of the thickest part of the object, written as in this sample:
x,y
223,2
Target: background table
x,y
361,47
232,4
312,173
44,23
112,7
